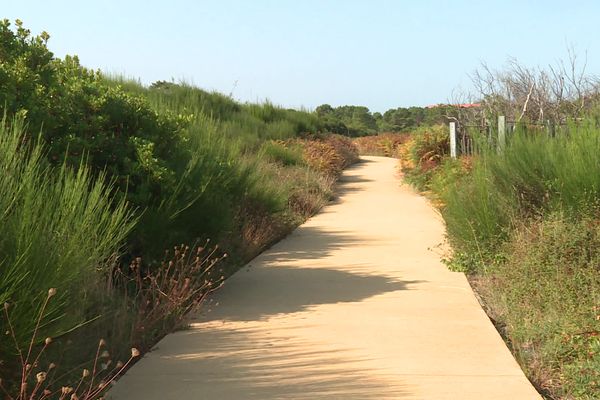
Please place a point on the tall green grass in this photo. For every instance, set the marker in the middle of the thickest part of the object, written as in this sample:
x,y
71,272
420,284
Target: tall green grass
x,y
223,169
535,174
59,227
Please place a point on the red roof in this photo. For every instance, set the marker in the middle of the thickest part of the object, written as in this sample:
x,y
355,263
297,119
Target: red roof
x,y
466,105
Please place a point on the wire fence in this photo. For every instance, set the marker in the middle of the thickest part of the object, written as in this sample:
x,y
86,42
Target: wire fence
x,y
468,139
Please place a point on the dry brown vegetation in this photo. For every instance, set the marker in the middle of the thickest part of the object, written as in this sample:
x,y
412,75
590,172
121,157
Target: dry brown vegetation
x,y
385,144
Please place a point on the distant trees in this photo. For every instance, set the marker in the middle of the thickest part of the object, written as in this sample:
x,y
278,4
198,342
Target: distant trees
x,y
347,120
359,121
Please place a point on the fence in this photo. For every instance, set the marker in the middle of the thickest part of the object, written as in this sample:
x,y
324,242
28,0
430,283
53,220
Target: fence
x,y
467,139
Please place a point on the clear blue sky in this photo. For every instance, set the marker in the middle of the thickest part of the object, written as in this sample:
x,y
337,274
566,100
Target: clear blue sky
x,y
377,53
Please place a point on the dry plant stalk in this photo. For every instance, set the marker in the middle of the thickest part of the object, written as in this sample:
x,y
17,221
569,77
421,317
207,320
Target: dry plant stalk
x,y
38,383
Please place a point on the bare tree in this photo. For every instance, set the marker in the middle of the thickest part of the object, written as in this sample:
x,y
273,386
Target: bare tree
x,y
556,93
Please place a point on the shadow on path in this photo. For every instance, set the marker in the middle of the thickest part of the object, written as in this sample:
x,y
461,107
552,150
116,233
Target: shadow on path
x,y
281,290
251,363
295,275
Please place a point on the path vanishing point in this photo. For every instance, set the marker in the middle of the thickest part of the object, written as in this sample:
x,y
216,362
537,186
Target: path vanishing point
x,y
354,304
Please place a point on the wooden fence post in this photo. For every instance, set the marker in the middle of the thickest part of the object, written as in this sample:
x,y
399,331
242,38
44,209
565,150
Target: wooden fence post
x,y
501,132
453,139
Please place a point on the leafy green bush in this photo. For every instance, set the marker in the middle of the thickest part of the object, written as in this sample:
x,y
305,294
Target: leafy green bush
x,y
525,221
83,118
422,153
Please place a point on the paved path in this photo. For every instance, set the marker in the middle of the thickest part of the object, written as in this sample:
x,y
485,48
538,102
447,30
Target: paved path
x,y
354,304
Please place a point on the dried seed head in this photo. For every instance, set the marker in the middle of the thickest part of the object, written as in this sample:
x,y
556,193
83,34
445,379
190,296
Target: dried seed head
x,y
134,352
48,341
66,390
102,342
40,377
51,292
51,366
74,396
119,364
85,373
105,354
47,392
27,367
6,306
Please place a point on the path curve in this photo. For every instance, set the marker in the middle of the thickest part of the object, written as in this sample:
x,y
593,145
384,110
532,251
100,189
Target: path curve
x,y
354,304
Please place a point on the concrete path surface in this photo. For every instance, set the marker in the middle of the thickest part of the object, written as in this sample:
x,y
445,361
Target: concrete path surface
x,y
354,304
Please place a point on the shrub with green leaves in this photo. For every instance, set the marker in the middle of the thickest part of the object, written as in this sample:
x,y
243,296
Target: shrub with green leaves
x,y
84,119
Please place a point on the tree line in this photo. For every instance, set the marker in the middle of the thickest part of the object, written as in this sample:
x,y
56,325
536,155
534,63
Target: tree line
x,y
360,121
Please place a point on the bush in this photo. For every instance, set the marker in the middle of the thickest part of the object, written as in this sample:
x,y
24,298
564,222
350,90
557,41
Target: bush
x,y
429,146
525,222
84,119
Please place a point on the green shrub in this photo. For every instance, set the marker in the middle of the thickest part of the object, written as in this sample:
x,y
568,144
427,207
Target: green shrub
x,y
83,118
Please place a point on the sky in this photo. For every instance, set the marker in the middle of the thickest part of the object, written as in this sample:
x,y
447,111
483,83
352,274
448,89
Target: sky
x,y
303,53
